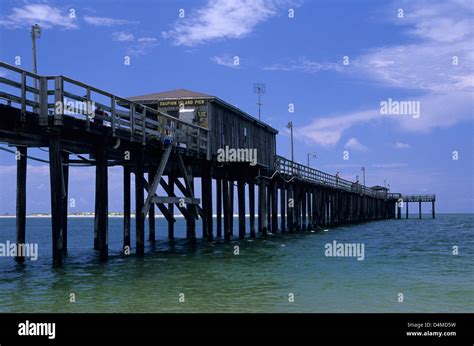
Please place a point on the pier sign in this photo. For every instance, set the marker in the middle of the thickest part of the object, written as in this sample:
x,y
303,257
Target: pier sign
x,y
178,103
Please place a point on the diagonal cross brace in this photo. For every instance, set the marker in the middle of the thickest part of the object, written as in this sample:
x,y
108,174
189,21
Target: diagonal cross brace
x,y
156,180
184,190
169,192
169,217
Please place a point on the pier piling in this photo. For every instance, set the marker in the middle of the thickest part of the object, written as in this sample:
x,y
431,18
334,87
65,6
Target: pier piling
x,y
21,167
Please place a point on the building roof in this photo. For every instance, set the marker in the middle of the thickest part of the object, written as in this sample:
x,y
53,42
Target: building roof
x,y
170,94
378,187
189,94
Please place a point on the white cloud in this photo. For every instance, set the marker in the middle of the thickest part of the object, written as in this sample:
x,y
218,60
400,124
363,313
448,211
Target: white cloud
x,y
354,144
142,46
223,19
401,145
136,45
106,21
44,15
389,165
443,32
327,131
122,36
225,60
438,110
304,65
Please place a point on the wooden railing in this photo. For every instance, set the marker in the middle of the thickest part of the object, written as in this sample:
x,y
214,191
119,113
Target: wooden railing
x,y
418,198
290,169
60,96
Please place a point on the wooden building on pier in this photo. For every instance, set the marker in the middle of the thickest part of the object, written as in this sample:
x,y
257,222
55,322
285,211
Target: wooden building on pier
x,y
227,124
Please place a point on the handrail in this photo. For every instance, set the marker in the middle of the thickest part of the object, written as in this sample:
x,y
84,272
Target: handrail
x,y
293,169
418,198
116,112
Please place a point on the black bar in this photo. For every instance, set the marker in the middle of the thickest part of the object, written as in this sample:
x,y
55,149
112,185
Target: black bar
x,y
271,329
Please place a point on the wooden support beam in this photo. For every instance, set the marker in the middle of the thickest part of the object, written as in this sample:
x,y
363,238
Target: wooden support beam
x,y
184,190
151,213
252,207
261,196
303,207
166,213
169,189
102,202
241,207
327,220
291,208
274,207
225,198
265,207
171,182
231,206
433,209
219,208
407,209
126,208
55,172
268,205
65,162
419,209
191,208
175,200
314,205
206,190
309,224
208,211
283,207
297,212
21,167
139,202
156,180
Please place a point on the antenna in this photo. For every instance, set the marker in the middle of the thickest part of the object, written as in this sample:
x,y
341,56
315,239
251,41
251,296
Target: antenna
x,y
259,88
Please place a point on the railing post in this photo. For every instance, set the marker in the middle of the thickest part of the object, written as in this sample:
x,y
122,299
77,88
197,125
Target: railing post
x,y
113,114
198,141
43,100
58,97
132,121
143,116
90,111
23,96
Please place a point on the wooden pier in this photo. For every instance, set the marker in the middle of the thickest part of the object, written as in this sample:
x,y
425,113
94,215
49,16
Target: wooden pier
x,y
170,140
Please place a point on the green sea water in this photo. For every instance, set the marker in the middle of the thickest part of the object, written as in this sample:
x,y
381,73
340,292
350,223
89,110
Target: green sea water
x,y
410,257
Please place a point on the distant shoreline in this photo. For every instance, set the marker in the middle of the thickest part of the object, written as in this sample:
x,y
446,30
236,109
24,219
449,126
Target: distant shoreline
x,y
91,215
119,215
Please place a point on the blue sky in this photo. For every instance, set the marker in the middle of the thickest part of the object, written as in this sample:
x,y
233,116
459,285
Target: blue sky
x,y
405,57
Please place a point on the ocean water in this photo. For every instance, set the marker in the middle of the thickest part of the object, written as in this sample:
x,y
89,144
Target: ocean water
x,y
412,257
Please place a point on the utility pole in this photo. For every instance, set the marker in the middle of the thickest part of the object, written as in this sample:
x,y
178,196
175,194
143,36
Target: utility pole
x,y
309,155
35,33
363,175
290,126
259,88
